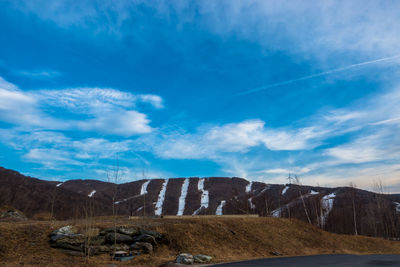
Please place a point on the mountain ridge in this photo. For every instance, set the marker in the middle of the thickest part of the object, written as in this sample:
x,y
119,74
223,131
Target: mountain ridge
x,y
339,209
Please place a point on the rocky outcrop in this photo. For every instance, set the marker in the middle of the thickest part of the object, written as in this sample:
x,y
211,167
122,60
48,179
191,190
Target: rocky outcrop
x,y
108,240
187,258
12,215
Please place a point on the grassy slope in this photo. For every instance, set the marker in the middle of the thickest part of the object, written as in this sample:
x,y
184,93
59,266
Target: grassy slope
x,y
226,239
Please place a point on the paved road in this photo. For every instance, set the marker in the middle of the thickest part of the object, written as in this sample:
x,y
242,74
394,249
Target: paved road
x,y
342,260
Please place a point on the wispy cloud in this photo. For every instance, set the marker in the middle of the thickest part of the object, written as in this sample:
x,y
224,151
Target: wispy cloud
x,y
210,142
87,109
315,27
39,74
324,73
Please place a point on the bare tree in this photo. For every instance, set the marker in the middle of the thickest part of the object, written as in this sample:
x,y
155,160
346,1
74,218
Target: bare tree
x,y
88,213
113,178
353,196
53,198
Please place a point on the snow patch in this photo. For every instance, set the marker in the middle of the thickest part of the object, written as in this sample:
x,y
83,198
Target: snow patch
x,y
248,187
204,196
285,189
182,198
139,209
92,193
277,213
397,206
220,207
314,192
161,197
326,205
58,185
143,190
252,206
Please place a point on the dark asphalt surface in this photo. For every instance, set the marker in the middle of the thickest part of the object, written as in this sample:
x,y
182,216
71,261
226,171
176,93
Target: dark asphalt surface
x,y
343,260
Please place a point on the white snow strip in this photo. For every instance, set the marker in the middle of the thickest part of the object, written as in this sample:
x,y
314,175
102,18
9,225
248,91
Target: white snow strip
x,y
248,187
326,205
284,190
161,196
252,206
397,206
314,192
204,196
220,208
182,198
58,185
277,213
143,190
139,209
92,193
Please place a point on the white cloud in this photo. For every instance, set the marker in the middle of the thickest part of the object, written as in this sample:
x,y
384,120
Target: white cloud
x,y
39,74
313,26
107,111
295,170
51,158
213,141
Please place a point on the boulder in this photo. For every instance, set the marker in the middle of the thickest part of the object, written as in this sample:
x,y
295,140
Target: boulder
x,y
143,246
72,242
154,234
127,231
65,230
185,258
146,238
119,238
12,215
119,247
107,230
200,258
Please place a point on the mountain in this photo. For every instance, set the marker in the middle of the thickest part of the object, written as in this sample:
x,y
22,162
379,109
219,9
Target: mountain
x,y
340,210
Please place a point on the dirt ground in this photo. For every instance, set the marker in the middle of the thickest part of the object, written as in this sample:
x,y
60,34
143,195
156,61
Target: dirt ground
x,y
225,239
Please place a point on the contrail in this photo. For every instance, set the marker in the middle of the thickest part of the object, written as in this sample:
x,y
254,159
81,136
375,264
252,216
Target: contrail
x,y
316,75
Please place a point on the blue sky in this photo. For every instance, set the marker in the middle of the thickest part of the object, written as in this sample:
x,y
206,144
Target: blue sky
x,y
254,89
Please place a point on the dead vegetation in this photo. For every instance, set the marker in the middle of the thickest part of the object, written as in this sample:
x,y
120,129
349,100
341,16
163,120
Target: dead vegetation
x,y
226,239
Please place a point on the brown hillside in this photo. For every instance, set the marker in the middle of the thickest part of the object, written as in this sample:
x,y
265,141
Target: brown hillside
x,y
226,239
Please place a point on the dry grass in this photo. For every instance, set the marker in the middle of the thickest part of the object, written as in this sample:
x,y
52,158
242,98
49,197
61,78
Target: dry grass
x,y
226,239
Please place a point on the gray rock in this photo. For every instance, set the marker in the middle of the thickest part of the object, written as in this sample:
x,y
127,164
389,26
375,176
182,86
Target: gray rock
x,y
65,230
106,231
72,242
146,238
119,247
143,246
71,239
67,246
154,234
13,215
185,258
200,258
119,238
127,231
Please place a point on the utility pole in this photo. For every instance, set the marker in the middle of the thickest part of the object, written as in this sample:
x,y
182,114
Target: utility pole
x,y
290,178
